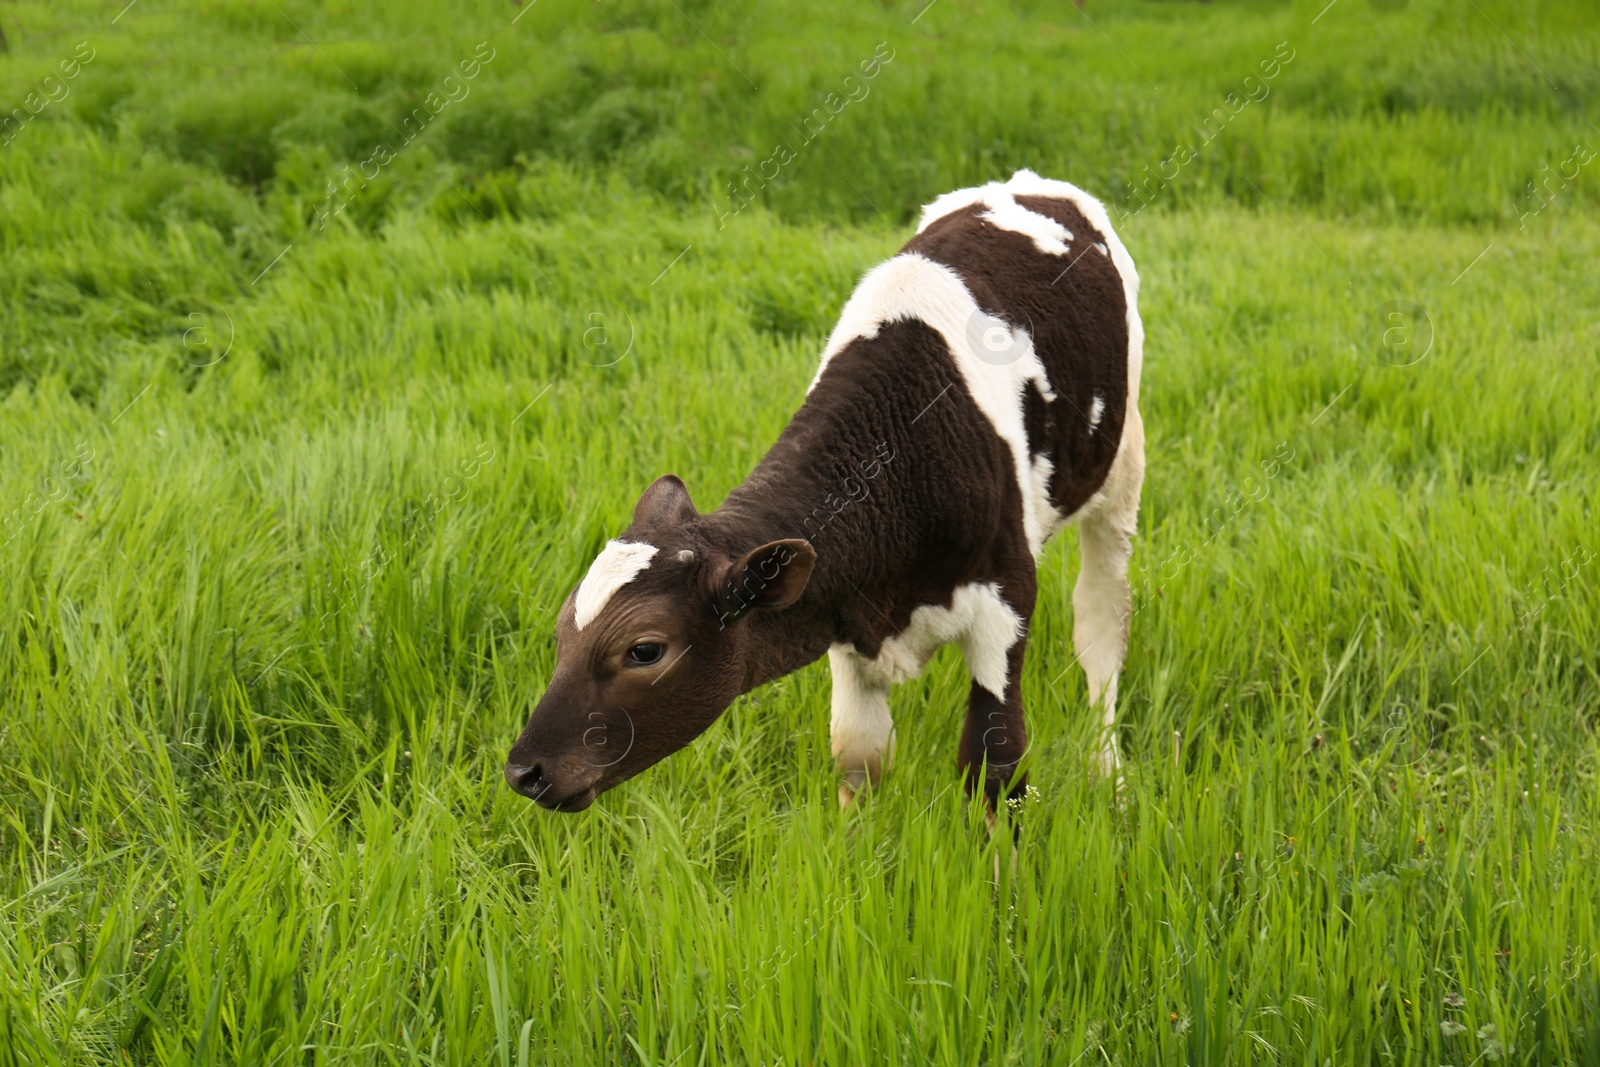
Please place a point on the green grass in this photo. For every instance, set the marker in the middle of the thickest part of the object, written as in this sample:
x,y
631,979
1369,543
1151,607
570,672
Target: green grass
x,y
283,536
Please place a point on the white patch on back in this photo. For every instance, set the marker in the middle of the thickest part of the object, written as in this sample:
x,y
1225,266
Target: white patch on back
x,y
983,623
1048,235
913,287
619,563
1097,409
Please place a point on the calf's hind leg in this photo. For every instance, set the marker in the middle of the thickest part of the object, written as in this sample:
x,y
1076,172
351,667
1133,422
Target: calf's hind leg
x,y
1101,605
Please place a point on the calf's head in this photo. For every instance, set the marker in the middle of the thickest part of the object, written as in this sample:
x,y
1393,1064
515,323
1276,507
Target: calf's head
x,y
651,647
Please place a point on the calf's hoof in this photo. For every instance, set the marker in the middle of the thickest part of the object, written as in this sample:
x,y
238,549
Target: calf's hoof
x,y
854,782
1108,765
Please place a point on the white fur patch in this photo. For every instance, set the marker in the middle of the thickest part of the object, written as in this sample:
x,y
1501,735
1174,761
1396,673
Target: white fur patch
x,y
1097,409
619,563
913,287
984,624
861,727
1048,235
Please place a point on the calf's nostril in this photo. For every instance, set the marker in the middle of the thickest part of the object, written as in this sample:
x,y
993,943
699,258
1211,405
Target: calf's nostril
x,y
529,781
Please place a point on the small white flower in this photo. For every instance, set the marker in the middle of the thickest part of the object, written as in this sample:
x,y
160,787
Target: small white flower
x,y
1015,803
1494,1049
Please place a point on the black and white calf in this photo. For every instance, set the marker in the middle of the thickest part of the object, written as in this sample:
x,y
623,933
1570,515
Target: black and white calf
x,y
979,394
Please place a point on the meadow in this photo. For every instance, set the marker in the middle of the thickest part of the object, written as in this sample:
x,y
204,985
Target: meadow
x,y
335,342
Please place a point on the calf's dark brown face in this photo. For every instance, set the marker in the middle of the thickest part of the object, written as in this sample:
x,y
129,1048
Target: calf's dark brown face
x,y
651,647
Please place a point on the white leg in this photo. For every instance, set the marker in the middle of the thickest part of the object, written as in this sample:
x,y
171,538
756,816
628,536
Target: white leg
x,y
1100,601
863,732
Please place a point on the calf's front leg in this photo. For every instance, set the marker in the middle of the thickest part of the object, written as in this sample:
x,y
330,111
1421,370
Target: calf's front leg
x,y
995,737
862,729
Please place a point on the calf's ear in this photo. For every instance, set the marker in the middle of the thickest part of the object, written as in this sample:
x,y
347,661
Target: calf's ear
x,y
666,502
772,576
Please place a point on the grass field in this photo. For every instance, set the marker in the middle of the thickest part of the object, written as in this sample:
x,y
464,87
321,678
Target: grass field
x,y
319,392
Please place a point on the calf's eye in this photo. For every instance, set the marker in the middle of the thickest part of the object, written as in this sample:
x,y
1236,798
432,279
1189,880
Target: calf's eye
x,y
646,653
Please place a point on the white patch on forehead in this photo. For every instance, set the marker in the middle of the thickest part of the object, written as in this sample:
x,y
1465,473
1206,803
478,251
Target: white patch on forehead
x,y
619,563
1048,235
1097,409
